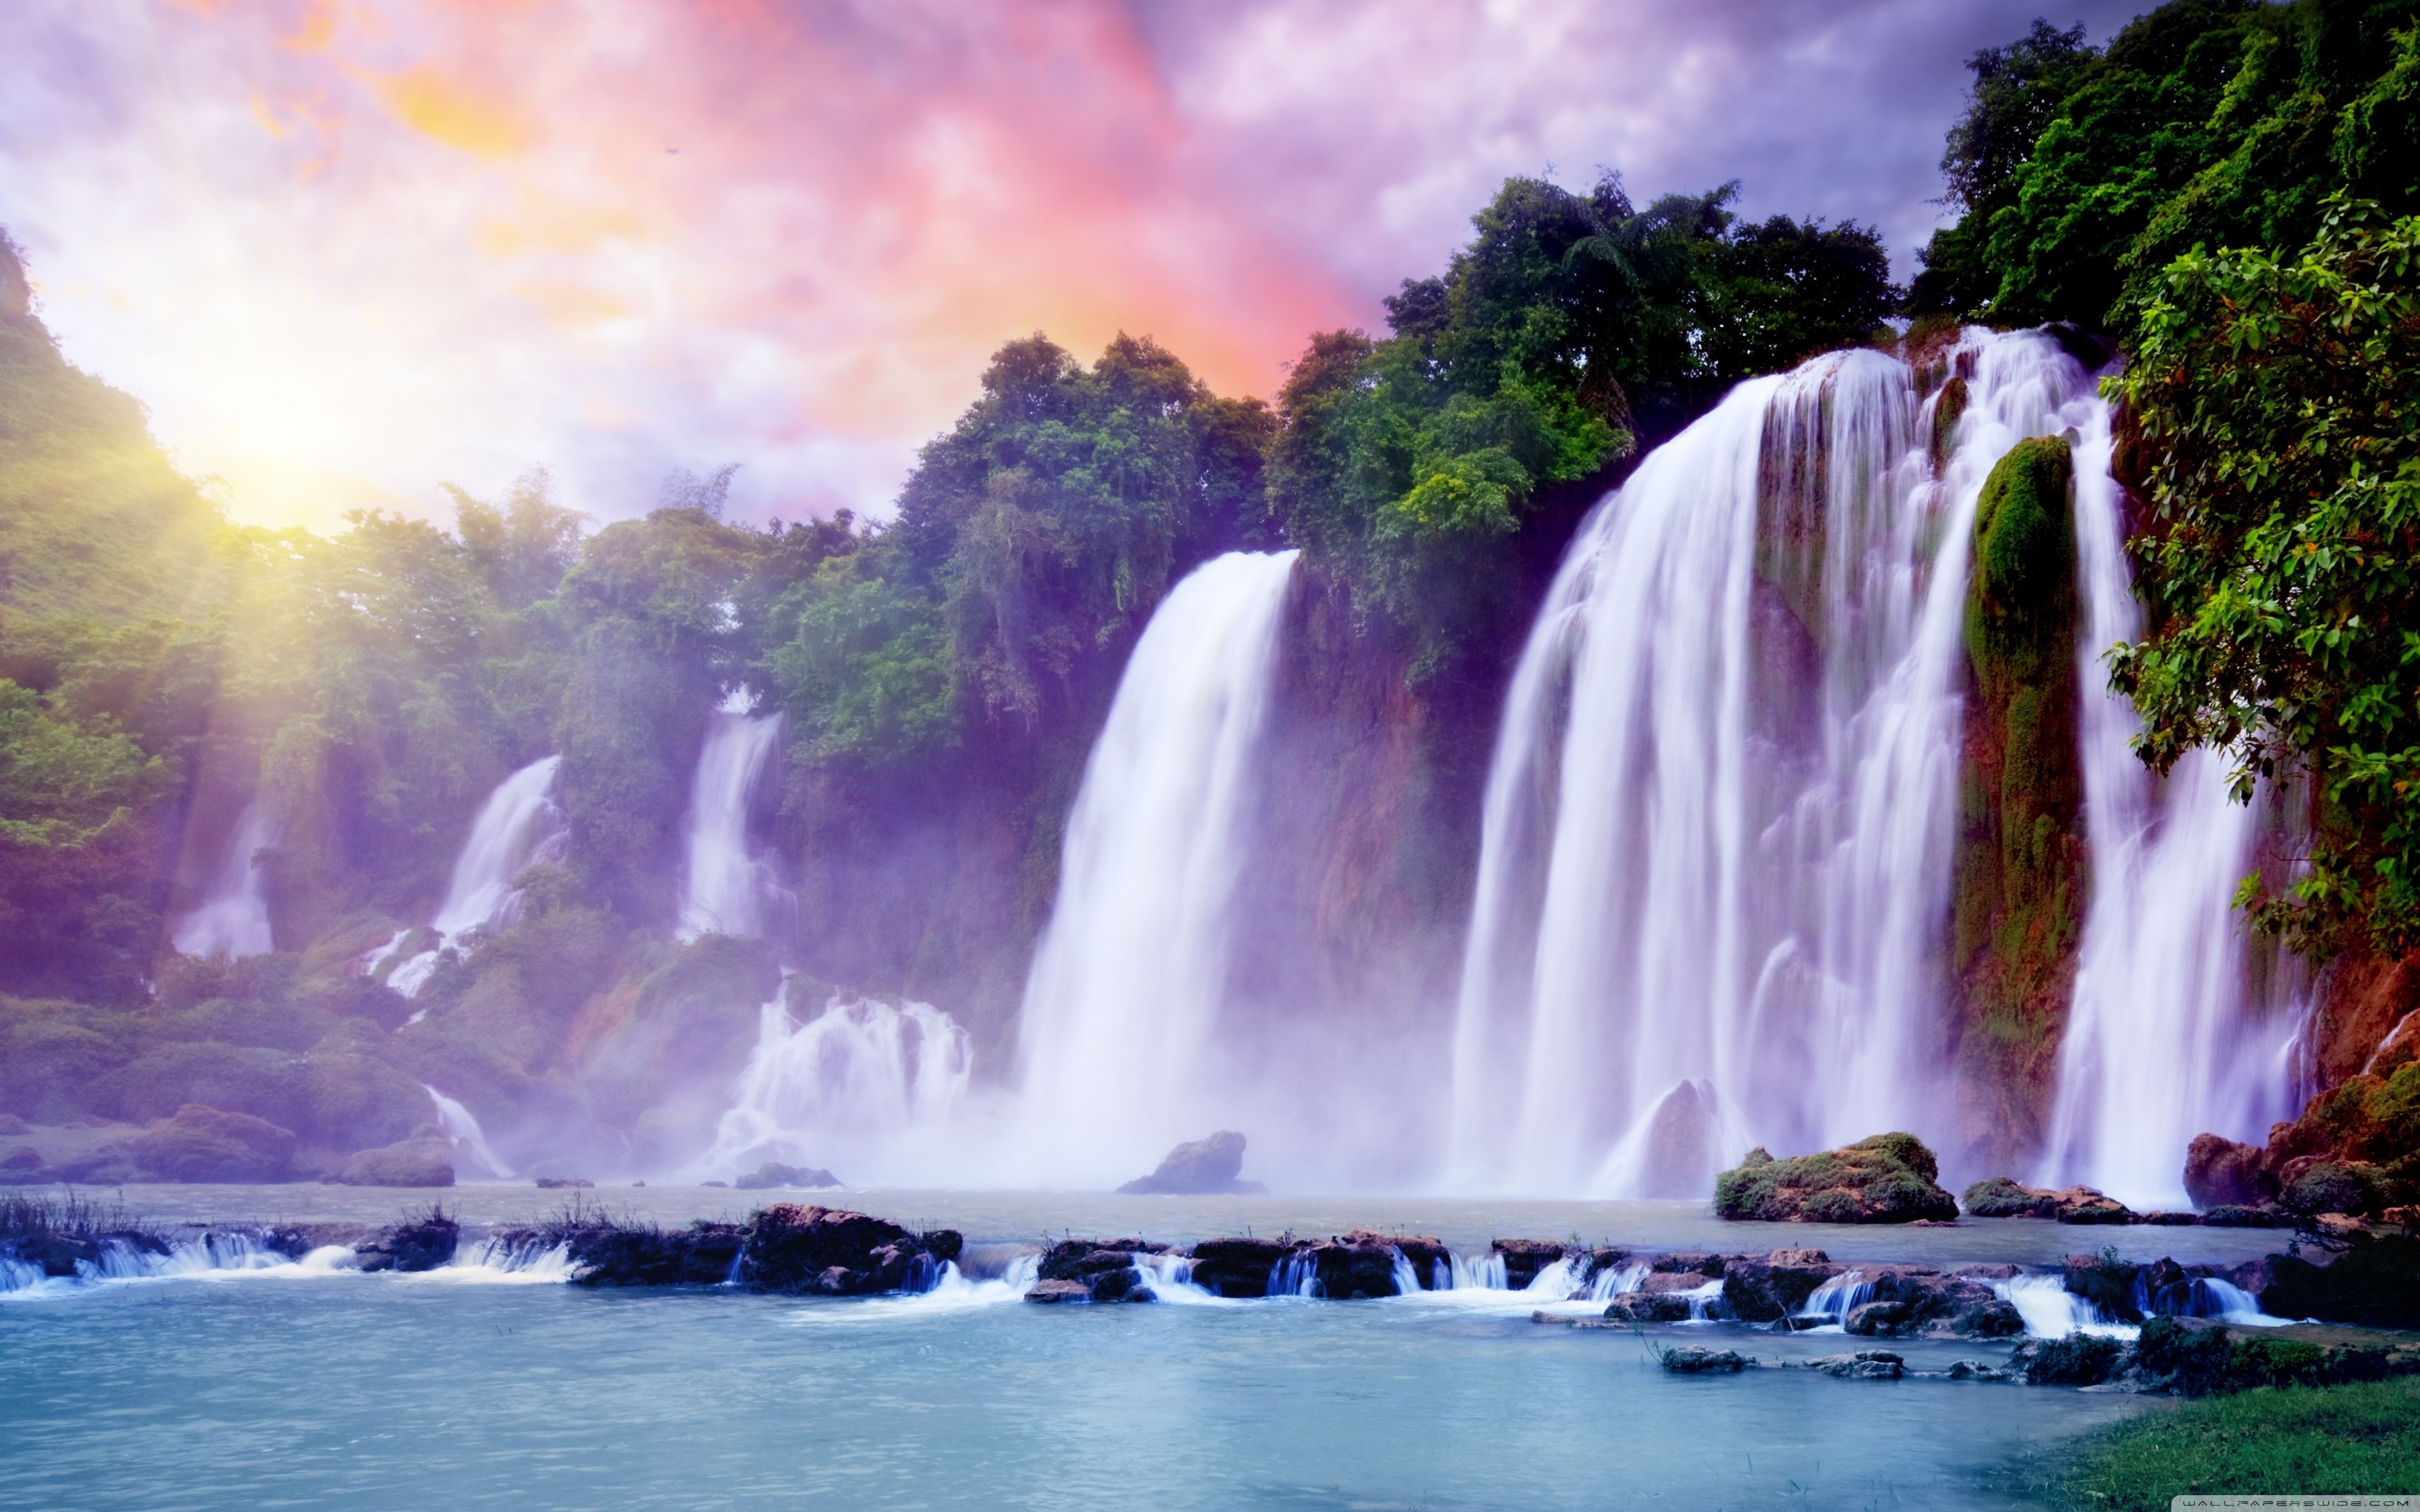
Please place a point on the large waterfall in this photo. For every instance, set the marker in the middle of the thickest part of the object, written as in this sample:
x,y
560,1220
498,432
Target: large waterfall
x,y
518,825
1715,869
2162,982
233,916
727,886
1116,1036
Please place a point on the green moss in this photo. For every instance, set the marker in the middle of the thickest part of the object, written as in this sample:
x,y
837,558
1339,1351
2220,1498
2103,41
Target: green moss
x,y
2020,860
1947,413
1886,1179
2343,1440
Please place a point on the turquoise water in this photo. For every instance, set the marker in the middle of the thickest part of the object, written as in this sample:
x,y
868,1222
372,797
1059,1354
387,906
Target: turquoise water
x,y
284,1389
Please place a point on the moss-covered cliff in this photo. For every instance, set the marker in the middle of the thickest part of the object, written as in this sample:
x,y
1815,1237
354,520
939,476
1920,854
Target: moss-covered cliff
x,y
2019,868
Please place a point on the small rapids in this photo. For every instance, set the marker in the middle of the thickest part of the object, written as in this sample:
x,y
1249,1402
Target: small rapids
x,y
216,1255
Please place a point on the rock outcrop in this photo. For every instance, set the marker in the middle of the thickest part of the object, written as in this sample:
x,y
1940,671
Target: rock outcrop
x,y
422,1162
774,1174
702,1255
836,1253
1103,1267
419,1243
1209,1166
203,1144
1239,1267
2354,1150
2000,1197
1889,1178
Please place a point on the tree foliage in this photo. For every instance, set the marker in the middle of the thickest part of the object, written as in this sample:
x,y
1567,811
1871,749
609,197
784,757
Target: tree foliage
x,y
2281,452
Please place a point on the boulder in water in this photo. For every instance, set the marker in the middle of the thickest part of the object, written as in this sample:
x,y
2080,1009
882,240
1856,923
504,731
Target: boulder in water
x,y
421,1242
2374,1283
836,1253
2001,1198
774,1174
203,1144
1680,1143
1690,1360
1104,1268
427,1161
1776,1287
609,1254
1051,1291
1205,1167
1525,1258
1889,1178
1239,1267
1866,1365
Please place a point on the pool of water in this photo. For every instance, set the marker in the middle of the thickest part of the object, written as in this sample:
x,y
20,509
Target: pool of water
x,y
285,1388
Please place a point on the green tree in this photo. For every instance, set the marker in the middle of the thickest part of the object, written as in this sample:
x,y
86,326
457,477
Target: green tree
x,y
2280,449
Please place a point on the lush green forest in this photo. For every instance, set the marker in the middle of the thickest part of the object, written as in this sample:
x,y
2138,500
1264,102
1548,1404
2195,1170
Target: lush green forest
x,y
2215,191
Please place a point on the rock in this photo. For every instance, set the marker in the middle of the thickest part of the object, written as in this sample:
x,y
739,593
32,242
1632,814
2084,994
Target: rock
x,y
774,1174
1054,1292
1356,1265
1205,1168
1772,1289
1977,1370
1649,1307
2315,1185
1239,1267
2001,1198
2172,1220
1424,1252
561,1184
837,1253
421,1244
422,1162
1689,1359
2235,1217
2076,1359
2374,1283
1887,1178
702,1255
203,1144
1525,1258
1866,1365
1681,1134
2222,1173
1659,1282
1105,1268
1707,1267
2107,1283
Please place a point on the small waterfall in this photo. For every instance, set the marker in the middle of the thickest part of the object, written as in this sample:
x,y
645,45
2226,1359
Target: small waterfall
x,y
463,1129
2050,1311
516,827
233,919
1834,1298
727,887
1128,978
1296,1273
868,1088
2161,979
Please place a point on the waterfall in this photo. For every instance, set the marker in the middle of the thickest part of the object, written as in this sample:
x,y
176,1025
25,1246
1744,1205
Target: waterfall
x,y
868,1088
1719,830
518,825
1127,980
728,889
462,1130
2162,978
233,919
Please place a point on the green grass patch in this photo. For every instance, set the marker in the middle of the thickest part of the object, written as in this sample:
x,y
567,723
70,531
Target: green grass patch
x,y
2339,1441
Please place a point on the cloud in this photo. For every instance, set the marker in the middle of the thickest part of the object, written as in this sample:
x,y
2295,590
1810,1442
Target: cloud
x,y
347,249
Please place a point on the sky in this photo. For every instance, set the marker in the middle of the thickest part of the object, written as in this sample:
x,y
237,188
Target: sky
x,y
347,251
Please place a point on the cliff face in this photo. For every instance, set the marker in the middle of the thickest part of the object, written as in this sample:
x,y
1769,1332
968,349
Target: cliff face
x,y
2021,864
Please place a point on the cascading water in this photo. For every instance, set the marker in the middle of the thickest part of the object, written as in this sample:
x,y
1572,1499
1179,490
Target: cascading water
x,y
727,887
1719,830
2161,977
463,1132
516,827
870,1088
233,919
1128,981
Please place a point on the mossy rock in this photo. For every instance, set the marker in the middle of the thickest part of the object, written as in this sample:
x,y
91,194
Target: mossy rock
x,y
1887,1178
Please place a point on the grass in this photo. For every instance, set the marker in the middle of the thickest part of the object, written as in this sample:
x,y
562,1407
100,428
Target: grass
x,y
25,1215
2336,1441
